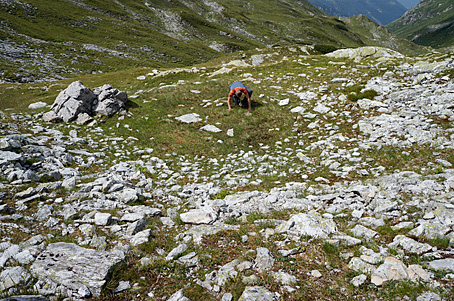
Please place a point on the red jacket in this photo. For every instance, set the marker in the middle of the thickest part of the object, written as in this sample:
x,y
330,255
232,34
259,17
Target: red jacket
x,y
239,88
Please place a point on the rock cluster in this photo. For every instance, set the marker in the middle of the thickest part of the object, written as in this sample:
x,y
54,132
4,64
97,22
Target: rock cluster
x,y
78,103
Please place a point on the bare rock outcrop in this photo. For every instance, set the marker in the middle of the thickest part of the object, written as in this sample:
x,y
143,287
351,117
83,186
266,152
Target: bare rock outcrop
x,y
78,103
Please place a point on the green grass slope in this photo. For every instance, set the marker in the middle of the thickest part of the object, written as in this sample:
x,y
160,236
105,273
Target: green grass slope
x,y
430,23
47,40
376,35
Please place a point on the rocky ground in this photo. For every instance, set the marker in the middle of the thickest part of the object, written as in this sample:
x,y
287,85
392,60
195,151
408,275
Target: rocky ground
x,y
85,213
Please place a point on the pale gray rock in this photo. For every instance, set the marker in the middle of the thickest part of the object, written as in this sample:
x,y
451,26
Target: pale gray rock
x,y
83,118
127,195
430,230
211,128
257,293
391,270
26,193
102,219
122,286
358,265
44,212
446,264
429,296
365,52
72,266
177,251
7,156
132,217
372,222
72,101
316,274
26,298
264,260
363,232
358,280
10,252
416,273
403,225
141,237
24,257
367,104
99,242
250,280
346,240
51,116
109,100
13,276
37,105
410,245
284,278
83,292
189,118
199,216
227,297
226,272
136,226
178,296
190,260
312,224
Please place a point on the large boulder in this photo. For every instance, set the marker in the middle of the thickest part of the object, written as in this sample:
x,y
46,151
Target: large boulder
x,y
75,268
72,101
365,52
78,103
109,100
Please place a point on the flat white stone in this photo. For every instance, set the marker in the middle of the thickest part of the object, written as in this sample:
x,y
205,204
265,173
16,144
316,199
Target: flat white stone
x,y
189,118
211,128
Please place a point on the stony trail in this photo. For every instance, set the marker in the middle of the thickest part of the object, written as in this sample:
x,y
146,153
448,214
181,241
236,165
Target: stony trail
x,y
84,213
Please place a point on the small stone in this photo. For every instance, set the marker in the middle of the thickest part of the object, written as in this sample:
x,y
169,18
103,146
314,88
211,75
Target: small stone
x,y
359,280
176,252
122,286
141,237
178,296
264,260
316,274
102,219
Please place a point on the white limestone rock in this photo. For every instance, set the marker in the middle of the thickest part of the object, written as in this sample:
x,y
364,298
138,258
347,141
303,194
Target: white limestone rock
x,y
72,266
391,270
189,118
257,293
199,216
312,224
264,260
141,237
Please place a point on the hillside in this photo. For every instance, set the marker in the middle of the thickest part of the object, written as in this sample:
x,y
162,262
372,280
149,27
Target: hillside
x,y
429,23
338,184
408,3
47,40
380,11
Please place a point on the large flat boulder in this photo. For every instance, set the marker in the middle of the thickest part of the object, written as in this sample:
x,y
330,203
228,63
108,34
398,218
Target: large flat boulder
x,y
74,267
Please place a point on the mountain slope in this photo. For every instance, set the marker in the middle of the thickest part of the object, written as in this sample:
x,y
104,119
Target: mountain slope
x,y
380,11
408,3
430,23
50,39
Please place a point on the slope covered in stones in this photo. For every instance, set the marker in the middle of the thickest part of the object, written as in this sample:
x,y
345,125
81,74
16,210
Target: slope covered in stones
x,y
338,184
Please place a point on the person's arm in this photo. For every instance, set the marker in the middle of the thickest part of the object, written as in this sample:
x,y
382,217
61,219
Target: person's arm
x,y
248,101
228,102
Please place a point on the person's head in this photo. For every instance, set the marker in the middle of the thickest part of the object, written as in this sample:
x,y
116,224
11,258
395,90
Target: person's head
x,y
238,93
